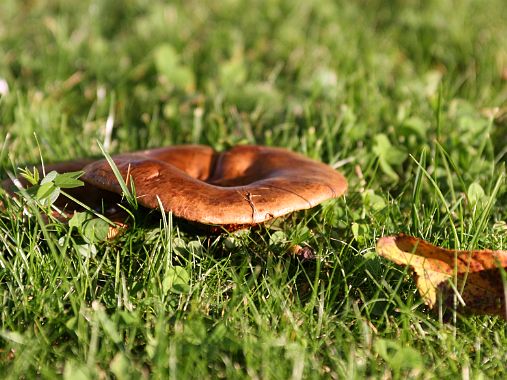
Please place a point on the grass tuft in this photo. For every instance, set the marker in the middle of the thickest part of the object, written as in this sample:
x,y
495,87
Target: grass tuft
x,y
406,98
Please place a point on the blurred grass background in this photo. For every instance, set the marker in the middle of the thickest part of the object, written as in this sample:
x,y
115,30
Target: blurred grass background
x,y
407,98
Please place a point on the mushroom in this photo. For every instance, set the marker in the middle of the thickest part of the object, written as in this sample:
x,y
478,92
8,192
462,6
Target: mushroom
x,y
243,186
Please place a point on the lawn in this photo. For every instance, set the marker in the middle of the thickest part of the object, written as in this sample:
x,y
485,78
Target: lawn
x,y
408,99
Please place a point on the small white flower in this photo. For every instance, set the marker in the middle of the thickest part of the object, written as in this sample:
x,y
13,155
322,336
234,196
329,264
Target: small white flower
x,y
101,93
4,87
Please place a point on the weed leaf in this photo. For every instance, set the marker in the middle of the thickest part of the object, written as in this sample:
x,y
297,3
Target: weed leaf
x,y
176,280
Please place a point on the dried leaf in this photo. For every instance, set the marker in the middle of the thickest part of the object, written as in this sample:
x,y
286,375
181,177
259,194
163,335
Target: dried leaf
x,y
302,253
475,277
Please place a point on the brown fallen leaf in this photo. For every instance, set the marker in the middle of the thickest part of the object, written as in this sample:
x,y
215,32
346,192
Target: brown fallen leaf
x,y
475,277
116,230
303,253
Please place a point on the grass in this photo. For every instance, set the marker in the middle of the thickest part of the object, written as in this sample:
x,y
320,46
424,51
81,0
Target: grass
x,y
406,99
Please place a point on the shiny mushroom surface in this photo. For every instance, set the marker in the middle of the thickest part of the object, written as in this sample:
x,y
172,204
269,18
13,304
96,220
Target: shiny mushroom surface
x,y
244,185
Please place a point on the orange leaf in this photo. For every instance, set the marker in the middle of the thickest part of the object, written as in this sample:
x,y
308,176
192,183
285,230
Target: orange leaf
x,y
474,276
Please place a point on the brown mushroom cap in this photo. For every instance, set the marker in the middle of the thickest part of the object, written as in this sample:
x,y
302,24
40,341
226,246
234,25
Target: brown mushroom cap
x,y
245,185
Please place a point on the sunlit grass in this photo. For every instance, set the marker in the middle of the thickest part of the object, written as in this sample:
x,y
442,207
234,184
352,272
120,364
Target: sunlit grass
x,y
406,99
